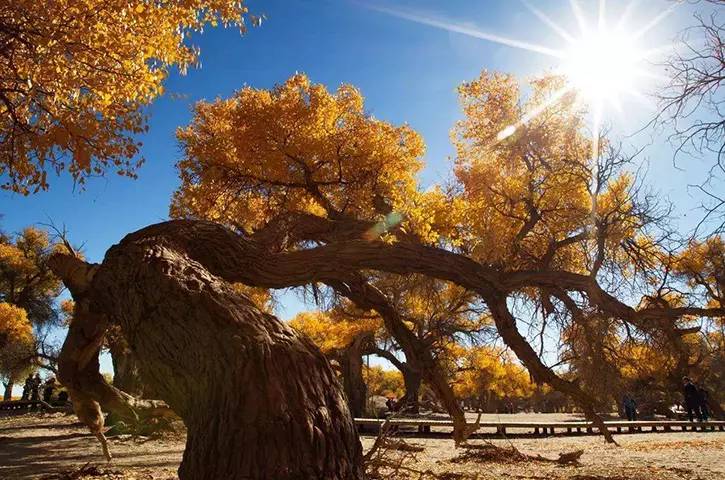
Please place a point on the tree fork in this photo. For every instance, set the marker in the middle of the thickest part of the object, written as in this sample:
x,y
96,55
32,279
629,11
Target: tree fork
x,y
366,296
506,326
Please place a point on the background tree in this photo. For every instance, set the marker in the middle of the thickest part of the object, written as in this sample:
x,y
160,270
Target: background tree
x,y
488,379
296,148
16,345
75,76
440,315
437,313
344,337
691,103
27,282
383,382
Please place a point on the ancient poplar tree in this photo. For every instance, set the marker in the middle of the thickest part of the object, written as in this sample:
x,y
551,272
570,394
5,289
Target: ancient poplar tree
x,y
303,188
298,166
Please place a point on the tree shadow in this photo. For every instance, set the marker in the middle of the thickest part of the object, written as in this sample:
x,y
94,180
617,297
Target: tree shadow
x,y
48,426
40,455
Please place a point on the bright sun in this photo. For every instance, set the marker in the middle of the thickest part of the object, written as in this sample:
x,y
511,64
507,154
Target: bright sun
x,y
602,60
603,65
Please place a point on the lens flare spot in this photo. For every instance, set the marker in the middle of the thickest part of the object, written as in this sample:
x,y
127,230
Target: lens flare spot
x,y
506,132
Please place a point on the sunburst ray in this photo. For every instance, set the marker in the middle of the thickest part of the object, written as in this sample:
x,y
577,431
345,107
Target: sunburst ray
x,y
468,30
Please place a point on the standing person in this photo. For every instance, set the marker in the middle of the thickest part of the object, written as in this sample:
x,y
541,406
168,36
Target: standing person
x,y
630,407
35,388
48,390
692,399
703,395
27,388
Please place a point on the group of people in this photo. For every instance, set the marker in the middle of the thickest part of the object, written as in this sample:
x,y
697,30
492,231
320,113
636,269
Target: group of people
x,y
32,389
696,398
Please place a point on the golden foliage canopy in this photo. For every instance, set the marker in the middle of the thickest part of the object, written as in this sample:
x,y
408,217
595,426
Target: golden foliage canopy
x,y
386,383
702,265
296,147
14,325
331,331
533,193
26,280
489,369
74,75
17,343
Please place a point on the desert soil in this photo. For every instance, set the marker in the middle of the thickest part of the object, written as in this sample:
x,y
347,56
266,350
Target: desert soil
x,y
56,446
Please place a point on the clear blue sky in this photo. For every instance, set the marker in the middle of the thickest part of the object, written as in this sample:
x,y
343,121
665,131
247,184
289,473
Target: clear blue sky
x,y
407,71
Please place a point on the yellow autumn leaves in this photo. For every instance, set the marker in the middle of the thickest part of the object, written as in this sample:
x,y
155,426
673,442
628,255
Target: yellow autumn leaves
x,y
301,148
74,75
297,147
14,325
17,342
493,371
331,331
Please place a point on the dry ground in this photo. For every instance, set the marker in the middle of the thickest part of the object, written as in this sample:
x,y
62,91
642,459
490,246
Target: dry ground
x,y
51,446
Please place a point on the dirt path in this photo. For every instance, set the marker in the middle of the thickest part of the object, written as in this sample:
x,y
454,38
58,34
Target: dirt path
x,y
36,447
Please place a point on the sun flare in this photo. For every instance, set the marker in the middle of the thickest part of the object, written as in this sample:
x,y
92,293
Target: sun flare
x,y
603,65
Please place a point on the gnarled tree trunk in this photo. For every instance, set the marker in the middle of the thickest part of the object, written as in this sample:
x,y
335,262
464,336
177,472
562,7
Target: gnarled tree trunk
x,y
172,271
8,395
259,400
352,376
412,380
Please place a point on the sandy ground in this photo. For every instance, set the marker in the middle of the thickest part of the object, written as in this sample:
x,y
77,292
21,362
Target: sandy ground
x,y
51,446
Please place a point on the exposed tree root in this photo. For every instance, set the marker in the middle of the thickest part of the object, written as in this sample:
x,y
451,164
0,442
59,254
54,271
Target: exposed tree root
x,y
152,427
489,453
401,445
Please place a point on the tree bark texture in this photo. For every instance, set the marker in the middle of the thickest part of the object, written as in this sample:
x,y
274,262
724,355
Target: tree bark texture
x,y
352,375
259,400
